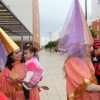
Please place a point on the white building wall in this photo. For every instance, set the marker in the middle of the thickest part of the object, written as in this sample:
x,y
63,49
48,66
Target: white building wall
x,y
95,10
89,19
57,34
23,10
44,41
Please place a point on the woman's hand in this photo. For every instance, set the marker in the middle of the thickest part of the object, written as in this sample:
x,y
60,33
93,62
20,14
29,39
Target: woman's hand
x,y
93,88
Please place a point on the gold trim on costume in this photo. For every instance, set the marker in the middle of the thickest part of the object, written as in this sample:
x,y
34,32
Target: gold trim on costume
x,y
17,87
8,94
81,88
14,76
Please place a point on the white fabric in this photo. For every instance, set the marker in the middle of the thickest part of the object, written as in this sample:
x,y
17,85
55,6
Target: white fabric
x,y
29,75
26,87
42,74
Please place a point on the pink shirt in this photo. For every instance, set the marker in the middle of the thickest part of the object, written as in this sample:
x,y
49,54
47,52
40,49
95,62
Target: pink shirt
x,y
34,66
31,67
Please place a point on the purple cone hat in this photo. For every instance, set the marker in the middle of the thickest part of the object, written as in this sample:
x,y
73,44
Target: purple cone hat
x,y
3,56
75,33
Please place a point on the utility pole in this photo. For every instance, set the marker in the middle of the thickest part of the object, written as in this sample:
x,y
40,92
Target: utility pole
x,y
50,41
86,9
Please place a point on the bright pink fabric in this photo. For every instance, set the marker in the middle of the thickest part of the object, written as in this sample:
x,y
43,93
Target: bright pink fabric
x,y
3,97
31,67
76,70
38,72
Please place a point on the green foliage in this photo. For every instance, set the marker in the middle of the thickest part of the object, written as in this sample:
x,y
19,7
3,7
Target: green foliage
x,y
93,32
51,44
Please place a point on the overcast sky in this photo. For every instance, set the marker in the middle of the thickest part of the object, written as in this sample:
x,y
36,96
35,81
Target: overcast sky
x,y
54,12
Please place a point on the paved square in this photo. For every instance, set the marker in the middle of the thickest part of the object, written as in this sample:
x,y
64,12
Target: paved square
x,y
53,78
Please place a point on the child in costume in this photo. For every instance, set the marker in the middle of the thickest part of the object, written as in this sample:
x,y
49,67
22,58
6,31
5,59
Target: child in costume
x,y
96,59
34,70
31,44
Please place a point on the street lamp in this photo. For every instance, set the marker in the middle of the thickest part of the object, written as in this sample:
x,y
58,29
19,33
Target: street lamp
x,y
86,9
45,41
50,41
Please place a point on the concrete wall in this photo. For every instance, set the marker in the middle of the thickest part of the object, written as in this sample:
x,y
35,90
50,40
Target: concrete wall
x,y
96,16
36,24
95,10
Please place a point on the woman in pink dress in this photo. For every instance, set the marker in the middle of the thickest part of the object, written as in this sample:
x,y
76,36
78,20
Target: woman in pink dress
x,y
14,68
76,44
14,65
80,78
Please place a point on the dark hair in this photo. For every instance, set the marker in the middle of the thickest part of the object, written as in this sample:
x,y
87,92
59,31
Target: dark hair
x,y
31,49
10,61
31,44
36,49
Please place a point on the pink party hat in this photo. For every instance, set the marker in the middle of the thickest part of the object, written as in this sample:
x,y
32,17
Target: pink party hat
x,y
75,33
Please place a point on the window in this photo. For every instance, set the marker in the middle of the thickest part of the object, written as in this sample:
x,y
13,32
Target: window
x,y
54,37
97,28
97,17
